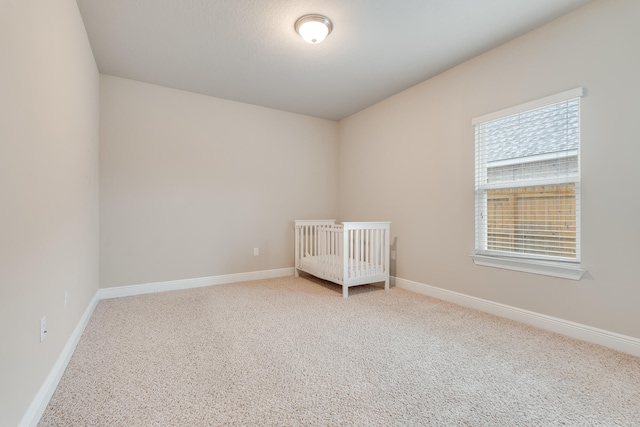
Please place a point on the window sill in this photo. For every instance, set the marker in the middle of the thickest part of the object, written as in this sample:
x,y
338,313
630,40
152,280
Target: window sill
x,y
553,269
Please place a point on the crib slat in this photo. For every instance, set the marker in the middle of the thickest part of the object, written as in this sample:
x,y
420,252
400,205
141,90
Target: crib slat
x,y
377,247
358,242
376,239
306,241
368,248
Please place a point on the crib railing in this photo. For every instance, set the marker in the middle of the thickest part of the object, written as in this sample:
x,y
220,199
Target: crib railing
x,y
306,238
366,245
344,252
350,254
331,250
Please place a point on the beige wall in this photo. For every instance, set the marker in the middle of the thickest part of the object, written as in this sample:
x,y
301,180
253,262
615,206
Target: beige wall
x,y
423,145
190,184
49,90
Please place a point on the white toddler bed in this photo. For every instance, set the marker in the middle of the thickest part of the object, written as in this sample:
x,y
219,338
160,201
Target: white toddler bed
x,y
349,254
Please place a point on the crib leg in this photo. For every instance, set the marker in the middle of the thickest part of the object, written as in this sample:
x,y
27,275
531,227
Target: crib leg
x,y
386,285
296,273
345,291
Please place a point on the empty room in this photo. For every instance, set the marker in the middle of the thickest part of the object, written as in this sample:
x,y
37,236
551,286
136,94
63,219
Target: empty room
x,y
360,212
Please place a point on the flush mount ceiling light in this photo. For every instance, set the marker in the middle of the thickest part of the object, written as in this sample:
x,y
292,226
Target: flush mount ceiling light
x,y
313,28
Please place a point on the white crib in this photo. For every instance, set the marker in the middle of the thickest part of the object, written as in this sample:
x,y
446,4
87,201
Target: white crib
x,y
349,254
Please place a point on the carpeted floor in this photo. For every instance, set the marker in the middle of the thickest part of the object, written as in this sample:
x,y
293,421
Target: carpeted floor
x,y
292,352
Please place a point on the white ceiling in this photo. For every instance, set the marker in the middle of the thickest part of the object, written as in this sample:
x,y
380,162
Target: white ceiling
x,y
248,50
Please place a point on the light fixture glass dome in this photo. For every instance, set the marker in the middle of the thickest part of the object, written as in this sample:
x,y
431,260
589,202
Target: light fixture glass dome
x,y
313,28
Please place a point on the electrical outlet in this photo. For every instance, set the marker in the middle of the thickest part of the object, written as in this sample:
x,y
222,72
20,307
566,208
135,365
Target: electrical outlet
x,y
256,251
43,328
393,254
66,299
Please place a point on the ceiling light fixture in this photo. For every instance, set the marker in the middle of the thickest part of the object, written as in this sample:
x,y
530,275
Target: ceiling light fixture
x,y
314,28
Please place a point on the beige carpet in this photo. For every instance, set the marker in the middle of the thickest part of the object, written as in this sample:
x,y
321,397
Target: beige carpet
x,y
293,352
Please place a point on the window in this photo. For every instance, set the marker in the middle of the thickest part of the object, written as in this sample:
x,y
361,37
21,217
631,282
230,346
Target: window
x,y
527,187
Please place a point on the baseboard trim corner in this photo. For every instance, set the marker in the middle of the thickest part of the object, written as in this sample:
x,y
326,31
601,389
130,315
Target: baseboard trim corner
x,y
613,340
41,400
175,285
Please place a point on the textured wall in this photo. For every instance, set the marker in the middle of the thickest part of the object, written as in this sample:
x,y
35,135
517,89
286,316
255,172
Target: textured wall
x,y
49,100
424,142
190,184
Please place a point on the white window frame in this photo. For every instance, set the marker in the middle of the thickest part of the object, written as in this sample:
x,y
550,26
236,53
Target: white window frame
x,y
512,261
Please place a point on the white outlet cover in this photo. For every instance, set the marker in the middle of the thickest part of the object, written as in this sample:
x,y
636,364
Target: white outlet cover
x,y
43,328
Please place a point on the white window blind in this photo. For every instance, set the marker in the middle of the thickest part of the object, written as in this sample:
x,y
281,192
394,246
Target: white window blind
x,y
527,185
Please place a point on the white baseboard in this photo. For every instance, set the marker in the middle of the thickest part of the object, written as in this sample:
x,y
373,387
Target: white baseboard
x,y
41,400
174,285
623,343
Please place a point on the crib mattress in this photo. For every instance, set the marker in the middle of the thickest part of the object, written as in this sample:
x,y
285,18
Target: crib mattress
x,y
333,265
